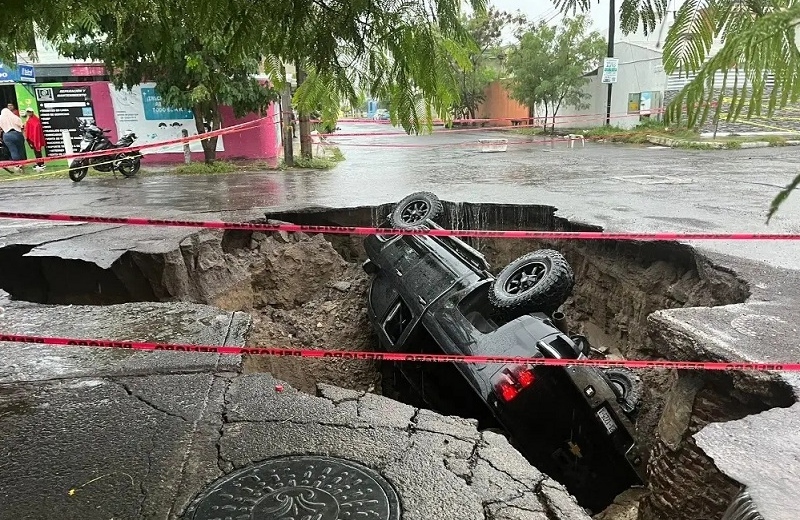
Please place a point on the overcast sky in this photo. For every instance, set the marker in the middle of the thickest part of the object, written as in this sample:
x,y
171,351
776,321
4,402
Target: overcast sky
x,y
537,10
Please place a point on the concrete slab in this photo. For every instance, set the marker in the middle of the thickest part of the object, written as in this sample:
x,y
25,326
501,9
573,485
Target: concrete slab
x,y
763,453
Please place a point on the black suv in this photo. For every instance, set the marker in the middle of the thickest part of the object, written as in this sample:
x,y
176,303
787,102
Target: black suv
x,y
436,295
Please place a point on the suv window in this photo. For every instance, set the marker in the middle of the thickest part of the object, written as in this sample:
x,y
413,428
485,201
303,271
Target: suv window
x,y
397,321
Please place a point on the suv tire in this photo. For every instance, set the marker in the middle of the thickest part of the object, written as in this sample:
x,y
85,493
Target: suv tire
x,y
628,387
415,210
537,282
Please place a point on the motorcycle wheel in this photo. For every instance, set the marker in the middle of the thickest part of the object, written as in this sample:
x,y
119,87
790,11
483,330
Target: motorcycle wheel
x,y
130,166
78,172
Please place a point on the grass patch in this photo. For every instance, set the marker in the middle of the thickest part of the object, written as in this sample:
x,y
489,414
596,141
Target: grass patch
x,y
333,156
528,130
201,168
774,140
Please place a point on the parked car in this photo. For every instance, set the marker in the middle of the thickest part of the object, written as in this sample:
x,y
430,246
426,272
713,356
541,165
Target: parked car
x,y
381,115
437,295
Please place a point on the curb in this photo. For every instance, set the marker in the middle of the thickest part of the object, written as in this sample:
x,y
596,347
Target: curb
x,y
714,145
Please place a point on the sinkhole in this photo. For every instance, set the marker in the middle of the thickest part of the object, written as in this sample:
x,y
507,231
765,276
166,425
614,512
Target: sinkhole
x,y
310,291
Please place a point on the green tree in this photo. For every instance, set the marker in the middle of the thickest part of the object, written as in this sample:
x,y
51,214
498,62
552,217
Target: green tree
x,y
485,29
397,52
197,66
202,53
549,65
758,39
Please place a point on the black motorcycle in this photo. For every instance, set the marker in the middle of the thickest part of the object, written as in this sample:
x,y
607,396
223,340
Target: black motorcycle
x,y
95,140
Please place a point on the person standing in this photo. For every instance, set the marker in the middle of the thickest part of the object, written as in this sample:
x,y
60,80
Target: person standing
x,y
34,134
13,109
11,125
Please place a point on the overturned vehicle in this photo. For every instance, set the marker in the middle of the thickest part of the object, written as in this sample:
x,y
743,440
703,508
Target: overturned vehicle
x,y
435,295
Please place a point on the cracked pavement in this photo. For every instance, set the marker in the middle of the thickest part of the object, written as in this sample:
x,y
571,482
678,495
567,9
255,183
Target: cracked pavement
x,y
102,434
107,413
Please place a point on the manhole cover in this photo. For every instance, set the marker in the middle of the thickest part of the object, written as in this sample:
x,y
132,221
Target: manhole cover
x,y
298,487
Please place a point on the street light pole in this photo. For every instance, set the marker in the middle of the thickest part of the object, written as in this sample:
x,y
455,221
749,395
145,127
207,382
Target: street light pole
x,y
612,25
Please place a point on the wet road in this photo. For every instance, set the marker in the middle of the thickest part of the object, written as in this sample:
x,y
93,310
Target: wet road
x,y
622,188
140,439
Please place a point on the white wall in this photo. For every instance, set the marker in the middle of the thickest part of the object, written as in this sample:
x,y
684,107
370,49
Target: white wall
x,y
640,70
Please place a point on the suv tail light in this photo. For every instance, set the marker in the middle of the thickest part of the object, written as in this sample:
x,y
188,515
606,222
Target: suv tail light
x,y
512,381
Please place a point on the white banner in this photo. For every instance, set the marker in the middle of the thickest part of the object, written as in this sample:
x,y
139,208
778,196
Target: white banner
x,y
140,110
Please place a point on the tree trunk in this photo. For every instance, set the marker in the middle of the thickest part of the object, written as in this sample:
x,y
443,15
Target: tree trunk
x,y
544,127
305,125
288,125
207,119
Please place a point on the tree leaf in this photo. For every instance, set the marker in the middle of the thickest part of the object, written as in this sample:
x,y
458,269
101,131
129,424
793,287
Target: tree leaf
x,y
781,197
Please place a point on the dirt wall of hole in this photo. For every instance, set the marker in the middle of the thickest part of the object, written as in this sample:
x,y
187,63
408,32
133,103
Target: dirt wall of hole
x,y
306,291
683,480
618,284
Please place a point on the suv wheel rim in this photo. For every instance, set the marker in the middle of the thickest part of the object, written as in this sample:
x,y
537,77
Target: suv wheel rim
x,y
415,212
525,278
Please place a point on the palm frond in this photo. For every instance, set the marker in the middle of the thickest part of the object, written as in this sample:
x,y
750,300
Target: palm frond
x,y
690,38
782,196
648,12
765,47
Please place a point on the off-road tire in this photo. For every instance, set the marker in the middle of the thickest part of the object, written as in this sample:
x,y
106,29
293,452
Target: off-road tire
x,y
628,388
551,289
415,210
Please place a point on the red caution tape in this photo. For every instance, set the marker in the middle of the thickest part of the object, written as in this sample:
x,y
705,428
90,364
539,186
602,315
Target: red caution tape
x,y
338,230
403,357
181,140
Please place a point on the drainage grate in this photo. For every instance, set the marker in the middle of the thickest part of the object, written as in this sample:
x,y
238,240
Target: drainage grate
x,y
307,486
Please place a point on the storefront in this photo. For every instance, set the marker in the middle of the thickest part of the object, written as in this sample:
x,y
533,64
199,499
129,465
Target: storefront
x,y
13,79
63,95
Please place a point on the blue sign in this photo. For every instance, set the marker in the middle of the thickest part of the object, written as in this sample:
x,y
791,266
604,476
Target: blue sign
x,y
153,110
27,74
20,74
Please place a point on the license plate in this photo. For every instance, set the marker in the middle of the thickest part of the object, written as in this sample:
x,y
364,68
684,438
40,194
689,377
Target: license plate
x,y
607,420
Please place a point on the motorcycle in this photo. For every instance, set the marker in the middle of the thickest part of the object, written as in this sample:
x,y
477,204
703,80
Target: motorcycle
x,y
95,140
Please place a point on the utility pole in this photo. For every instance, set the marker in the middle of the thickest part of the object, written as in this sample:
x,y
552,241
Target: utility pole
x,y
612,25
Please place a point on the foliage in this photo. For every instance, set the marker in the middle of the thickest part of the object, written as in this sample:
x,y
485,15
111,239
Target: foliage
x,y
398,52
202,53
485,58
757,39
196,64
549,65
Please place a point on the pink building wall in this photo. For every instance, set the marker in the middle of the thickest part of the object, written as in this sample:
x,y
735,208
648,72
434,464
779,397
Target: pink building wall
x,y
258,142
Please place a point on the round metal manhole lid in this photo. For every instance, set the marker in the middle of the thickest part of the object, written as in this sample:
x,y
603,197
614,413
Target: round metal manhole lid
x,y
305,487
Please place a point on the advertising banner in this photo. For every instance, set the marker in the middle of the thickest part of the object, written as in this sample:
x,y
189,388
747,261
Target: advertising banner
x,y
141,111
61,109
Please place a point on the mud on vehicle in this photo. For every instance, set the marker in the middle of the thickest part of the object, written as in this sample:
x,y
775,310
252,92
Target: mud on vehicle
x,y
435,295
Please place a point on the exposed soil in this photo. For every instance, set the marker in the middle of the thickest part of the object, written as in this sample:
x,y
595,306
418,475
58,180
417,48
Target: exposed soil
x,y
309,292
335,319
306,296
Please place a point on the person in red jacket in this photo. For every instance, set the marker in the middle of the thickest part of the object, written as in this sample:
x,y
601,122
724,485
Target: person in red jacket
x,y
35,136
